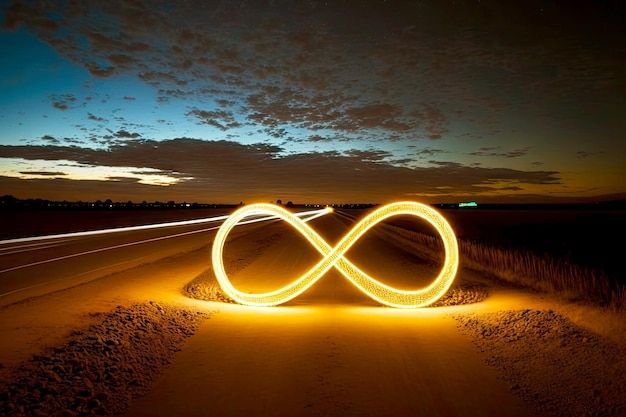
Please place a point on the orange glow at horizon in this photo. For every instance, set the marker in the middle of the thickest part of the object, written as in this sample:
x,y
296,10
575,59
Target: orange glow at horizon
x,y
334,257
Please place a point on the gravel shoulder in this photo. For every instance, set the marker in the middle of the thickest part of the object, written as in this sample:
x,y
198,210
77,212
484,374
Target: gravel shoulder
x,y
100,369
557,367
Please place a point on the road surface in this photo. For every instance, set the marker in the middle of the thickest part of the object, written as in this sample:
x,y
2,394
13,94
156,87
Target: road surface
x,y
331,351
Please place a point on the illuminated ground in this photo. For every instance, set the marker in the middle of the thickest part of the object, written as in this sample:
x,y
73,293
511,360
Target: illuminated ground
x,y
331,351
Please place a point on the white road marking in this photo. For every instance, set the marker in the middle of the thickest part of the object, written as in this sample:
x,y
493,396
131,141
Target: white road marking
x,y
29,245
307,216
129,229
29,249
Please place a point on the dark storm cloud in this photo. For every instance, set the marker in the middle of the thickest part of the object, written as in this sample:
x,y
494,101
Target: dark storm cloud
x,y
232,169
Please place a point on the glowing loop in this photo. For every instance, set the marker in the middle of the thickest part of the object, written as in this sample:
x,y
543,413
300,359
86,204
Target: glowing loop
x,y
334,257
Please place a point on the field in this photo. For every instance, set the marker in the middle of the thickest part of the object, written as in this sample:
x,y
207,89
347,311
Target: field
x,y
572,252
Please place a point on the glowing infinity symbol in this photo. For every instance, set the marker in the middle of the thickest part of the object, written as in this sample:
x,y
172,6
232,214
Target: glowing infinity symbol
x,y
334,257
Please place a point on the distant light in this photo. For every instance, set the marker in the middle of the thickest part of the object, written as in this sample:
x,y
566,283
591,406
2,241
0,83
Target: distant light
x,y
468,204
334,257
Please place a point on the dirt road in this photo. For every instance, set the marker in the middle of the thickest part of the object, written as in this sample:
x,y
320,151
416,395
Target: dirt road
x,y
330,352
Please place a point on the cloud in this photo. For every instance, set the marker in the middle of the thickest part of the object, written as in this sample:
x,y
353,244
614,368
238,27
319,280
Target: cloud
x,y
95,118
229,171
124,134
297,73
59,105
50,139
318,138
432,120
429,152
220,119
397,72
496,151
374,116
369,155
336,111
63,101
44,173
587,154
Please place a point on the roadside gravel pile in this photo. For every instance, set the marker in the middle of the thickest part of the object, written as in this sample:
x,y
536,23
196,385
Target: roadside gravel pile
x,y
554,365
468,294
100,369
205,287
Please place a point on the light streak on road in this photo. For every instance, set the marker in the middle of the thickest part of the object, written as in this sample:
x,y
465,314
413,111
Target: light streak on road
x,y
29,245
132,228
305,215
28,248
334,257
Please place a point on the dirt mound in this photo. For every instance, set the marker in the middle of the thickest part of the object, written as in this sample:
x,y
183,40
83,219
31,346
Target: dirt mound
x,y
558,367
463,295
100,369
205,287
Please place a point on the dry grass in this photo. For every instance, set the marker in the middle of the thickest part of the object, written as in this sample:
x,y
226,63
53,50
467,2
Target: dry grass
x,y
528,269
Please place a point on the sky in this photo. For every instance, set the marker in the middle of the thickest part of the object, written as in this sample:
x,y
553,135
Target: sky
x,y
313,101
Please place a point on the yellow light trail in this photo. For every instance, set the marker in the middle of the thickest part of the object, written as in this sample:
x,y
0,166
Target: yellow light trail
x,y
334,257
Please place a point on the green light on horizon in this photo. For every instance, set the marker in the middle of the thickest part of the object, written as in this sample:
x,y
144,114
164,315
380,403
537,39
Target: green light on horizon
x,y
468,204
